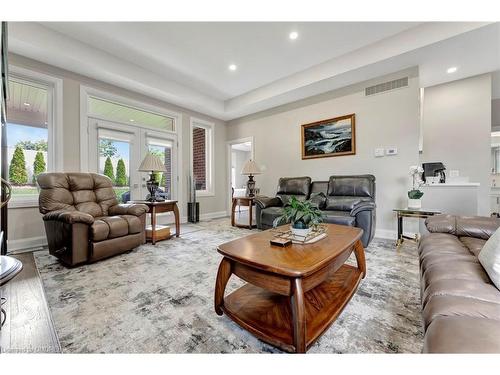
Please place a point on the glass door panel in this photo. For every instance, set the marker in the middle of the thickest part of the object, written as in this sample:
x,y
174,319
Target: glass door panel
x,y
165,149
114,162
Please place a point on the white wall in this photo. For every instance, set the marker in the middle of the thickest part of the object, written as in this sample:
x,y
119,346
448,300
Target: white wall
x,y
457,130
26,226
383,120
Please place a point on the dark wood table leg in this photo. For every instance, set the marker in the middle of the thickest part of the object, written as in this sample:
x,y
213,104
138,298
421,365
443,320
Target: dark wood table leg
x,y
299,316
232,212
153,225
250,215
400,231
223,275
359,251
177,221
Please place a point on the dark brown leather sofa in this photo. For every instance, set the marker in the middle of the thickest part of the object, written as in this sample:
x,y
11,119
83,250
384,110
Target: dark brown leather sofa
x,y
461,306
83,220
344,200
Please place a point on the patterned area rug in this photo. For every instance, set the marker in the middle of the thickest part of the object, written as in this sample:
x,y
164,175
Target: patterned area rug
x,y
159,299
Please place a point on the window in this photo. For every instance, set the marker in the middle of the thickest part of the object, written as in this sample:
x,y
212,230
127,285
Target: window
x,y
202,156
108,110
28,121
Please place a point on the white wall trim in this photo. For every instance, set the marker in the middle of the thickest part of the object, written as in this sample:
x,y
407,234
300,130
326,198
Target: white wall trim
x,y
26,243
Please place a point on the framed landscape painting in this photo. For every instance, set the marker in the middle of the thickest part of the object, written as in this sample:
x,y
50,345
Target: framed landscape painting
x,y
332,137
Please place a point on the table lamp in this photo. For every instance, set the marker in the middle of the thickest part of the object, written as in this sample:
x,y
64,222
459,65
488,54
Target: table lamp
x,y
152,164
250,168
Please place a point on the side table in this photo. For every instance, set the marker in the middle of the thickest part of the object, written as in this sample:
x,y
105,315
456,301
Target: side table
x,y
157,208
419,213
243,201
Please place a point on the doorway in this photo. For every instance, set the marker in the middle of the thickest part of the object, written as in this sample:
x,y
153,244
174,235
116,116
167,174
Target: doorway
x,y
239,152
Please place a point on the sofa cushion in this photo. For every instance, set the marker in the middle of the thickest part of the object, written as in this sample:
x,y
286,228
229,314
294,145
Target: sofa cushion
x,y
108,227
134,223
456,270
339,217
461,288
446,305
461,334
473,244
341,203
431,258
318,199
490,258
99,230
442,243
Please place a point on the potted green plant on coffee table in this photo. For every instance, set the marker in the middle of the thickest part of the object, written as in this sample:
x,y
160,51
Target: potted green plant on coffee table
x,y
302,216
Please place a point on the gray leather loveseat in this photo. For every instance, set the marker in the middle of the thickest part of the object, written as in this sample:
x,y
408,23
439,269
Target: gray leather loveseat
x,y
345,200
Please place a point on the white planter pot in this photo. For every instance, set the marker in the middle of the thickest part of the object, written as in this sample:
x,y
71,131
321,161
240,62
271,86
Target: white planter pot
x,y
300,234
414,203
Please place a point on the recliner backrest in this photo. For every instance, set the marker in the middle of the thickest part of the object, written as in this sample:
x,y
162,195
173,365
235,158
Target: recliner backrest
x,y
345,192
86,192
354,186
299,187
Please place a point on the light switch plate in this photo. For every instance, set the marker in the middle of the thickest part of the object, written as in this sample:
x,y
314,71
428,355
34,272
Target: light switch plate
x,y
391,151
454,173
379,152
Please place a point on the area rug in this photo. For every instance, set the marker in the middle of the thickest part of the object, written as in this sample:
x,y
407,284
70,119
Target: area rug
x,y
159,299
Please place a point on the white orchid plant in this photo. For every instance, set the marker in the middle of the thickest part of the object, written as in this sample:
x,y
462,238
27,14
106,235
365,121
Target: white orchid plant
x,y
416,175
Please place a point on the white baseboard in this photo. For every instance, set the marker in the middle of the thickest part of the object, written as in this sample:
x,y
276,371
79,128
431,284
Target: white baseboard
x,y
26,243
208,216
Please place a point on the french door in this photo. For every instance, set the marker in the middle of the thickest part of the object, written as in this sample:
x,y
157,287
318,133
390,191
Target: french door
x,y
117,150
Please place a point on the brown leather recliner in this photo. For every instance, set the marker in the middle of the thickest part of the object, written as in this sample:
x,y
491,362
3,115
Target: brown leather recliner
x,y
83,220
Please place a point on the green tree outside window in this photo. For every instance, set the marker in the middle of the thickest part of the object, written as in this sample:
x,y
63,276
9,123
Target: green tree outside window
x,y
108,169
39,165
17,169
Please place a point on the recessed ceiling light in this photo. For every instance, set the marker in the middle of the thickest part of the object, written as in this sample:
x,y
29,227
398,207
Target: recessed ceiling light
x,y
131,120
293,35
451,69
26,104
232,67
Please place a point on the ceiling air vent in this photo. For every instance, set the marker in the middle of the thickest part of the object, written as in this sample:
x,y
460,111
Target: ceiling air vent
x,y
387,86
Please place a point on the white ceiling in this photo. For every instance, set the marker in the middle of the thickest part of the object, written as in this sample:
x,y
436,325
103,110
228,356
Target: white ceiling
x,y
186,63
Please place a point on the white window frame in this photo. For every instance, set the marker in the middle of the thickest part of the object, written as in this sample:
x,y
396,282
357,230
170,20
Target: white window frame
x,y
54,122
209,154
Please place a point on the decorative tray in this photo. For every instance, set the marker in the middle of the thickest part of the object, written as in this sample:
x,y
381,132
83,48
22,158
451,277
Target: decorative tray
x,y
316,234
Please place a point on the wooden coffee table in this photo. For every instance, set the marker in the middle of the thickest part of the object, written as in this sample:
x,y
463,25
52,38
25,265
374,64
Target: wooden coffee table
x,y
293,294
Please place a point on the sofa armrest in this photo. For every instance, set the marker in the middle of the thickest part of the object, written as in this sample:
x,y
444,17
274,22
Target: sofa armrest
x,y
362,206
470,226
264,202
128,209
69,217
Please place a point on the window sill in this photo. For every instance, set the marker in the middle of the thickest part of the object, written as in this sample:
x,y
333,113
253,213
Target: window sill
x,y
23,204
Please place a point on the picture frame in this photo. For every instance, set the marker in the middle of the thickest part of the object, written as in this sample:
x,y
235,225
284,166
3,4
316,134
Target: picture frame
x,y
331,137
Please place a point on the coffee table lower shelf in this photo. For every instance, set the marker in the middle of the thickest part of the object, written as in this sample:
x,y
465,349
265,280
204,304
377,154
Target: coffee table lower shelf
x,y
268,315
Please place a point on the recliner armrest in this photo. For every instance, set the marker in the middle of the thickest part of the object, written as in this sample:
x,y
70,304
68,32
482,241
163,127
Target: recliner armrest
x,y
363,206
69,217
128,209
264,202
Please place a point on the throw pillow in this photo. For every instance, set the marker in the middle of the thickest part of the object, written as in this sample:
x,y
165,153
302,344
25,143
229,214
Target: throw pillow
x,y
489,257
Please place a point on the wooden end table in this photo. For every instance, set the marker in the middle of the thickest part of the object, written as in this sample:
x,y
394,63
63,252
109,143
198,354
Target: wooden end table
x,y
410,212
246,202
157,208
293,294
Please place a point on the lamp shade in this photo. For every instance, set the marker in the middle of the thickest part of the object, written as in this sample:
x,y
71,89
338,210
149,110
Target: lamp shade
x,y
152,163
250,168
